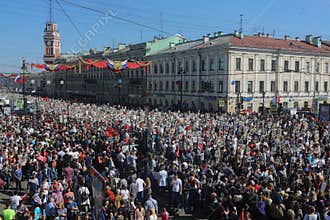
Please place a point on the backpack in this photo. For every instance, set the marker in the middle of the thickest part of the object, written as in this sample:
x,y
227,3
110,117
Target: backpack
x,y
276,211
84,196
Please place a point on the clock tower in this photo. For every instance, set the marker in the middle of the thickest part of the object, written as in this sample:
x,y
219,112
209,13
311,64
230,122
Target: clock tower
x,y
52,39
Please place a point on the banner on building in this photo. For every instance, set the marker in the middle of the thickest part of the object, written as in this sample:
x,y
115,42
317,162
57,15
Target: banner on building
x,y
7,110
221,103
19,104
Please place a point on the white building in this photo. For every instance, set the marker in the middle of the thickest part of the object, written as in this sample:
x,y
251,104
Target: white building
x,y
226,70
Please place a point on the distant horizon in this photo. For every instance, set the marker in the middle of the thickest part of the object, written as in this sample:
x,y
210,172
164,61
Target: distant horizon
x,y
132,22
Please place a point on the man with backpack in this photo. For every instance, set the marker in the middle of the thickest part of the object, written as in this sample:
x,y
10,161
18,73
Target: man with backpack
x,y
84,201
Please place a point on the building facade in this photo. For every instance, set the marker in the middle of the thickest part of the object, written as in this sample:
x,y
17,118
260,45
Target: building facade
x,y
103,86
230,72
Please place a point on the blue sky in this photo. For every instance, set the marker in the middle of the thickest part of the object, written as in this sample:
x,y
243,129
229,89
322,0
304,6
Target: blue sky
x,y
23,21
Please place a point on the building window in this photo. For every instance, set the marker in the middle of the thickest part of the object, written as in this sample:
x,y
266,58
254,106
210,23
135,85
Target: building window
x,y
173,67
296,86
238,63
221,64
166,85
250,86
155,69
237,86
305,104
261,86
250,64
308,66
295,105
262,65
150,85
212,64
167,68
273,65
220,86
161,86
203,65
161,67
180,67
155,86
326,67
296,66
285,86
186,66
306,86
317,86
211,87
286,66
317,67
186,85
193,86
326,86
173,85
193,65
272,86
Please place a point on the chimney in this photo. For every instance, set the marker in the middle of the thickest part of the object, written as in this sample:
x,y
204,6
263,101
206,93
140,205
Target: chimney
x,y
206,39
241,35
260,34
308,39
121,46
287,37
317,41
297,38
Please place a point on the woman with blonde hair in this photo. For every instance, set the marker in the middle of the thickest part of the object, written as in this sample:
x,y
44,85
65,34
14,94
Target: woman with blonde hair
x,y
153,215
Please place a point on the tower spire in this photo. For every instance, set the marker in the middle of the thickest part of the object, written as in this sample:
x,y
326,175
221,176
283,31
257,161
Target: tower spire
x,y
51,11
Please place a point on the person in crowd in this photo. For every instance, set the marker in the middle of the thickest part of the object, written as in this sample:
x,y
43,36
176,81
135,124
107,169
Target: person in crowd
x,y
108,158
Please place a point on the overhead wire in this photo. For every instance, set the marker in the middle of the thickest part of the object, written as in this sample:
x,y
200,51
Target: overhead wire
x,y
69,18
116,17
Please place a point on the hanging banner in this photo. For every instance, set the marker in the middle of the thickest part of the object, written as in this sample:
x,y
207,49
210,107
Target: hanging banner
x,y
19,104
7,110
114,66
221,103
52,67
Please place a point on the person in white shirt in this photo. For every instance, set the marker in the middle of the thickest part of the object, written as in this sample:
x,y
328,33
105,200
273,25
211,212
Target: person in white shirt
x,y
313,215
162,180
140,188
176,191
15,200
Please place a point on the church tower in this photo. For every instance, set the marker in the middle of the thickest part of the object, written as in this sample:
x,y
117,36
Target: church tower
x,y
52,39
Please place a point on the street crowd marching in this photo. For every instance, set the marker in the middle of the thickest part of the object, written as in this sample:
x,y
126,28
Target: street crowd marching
x,y
214,166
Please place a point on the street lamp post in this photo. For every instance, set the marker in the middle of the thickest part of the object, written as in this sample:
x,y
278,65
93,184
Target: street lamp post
x,y
181,72
238,103
263,100
119,84
23,89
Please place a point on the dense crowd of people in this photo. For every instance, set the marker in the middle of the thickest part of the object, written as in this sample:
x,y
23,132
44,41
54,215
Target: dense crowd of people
x,y
154,164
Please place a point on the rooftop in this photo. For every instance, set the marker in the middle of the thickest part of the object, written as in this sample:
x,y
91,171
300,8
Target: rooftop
x,y
258,42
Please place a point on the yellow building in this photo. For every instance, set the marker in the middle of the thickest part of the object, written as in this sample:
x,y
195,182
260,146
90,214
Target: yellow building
x,y
224,72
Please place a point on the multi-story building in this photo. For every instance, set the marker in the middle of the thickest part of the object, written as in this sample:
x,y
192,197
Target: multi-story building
x,y
230,72
104,86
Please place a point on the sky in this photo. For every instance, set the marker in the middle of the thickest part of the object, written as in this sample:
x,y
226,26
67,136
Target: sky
x,y
22,22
